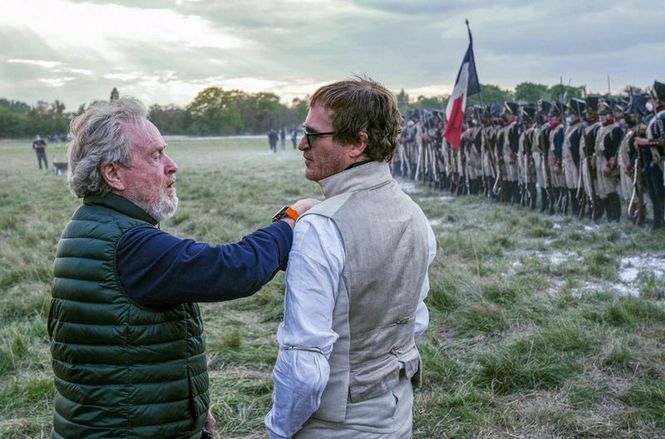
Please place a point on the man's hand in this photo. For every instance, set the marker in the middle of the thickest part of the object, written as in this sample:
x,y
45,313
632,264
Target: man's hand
x,y
210,426
301,206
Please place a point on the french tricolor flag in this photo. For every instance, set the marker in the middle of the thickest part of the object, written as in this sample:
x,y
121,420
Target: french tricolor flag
x,y
466,84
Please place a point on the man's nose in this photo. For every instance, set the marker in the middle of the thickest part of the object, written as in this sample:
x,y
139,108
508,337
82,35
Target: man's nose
x,y
171,165
302,144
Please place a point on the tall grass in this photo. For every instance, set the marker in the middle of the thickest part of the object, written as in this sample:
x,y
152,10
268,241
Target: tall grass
x,y
529,336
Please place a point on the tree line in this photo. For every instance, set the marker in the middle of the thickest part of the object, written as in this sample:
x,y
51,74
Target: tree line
x,y
215,111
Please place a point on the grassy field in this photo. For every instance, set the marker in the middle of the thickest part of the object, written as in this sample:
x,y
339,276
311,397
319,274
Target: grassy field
x,y
541,327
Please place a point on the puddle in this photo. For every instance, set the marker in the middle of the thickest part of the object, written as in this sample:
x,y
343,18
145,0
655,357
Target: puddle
x,y
630,275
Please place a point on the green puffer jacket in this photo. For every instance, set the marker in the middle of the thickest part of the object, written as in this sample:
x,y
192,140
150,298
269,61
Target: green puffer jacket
x,y
121,370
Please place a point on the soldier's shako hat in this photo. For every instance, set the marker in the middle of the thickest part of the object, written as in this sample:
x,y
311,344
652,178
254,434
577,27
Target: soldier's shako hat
x,y
592,104
577,106
659,90
511,107
556,110
544,107
529,112
604,108
636,105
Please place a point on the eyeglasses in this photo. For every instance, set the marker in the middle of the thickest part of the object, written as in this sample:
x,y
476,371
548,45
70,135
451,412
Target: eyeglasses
x,y
309,134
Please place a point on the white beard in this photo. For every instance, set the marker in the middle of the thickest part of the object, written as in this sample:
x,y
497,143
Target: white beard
x,y
161,210
165,207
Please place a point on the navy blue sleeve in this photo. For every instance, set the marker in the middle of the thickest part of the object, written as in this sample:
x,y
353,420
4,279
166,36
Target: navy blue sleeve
x,y
159,270
575,138
558,143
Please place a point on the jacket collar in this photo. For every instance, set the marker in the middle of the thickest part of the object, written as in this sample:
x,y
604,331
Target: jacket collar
x,y
120,204
356,178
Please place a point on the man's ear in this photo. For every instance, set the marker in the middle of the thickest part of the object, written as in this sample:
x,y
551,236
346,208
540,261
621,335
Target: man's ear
x,y
113,175
358,148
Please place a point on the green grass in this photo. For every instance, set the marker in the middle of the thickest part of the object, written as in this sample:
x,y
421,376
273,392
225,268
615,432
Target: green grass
x,y
528,335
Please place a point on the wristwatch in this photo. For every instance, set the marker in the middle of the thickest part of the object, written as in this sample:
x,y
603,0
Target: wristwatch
x,y
286,212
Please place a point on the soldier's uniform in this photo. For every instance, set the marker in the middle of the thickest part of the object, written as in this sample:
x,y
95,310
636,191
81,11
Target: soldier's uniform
x,y
587,160
628,149
526,163
487,154
555,154
511,135
474,163
607,173
654,154
539,147
571,153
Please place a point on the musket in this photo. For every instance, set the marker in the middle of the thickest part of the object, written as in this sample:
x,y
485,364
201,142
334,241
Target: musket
x,y
636,206
592,185
547,173
580,195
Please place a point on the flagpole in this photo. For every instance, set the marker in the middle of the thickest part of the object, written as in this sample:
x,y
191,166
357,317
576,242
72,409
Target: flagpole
x,y
480,93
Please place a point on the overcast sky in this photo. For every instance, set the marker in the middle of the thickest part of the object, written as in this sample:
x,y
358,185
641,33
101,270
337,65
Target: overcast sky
x,y
166,51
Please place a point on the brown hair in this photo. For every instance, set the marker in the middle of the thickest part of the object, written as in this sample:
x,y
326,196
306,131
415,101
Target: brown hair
x,y
361,104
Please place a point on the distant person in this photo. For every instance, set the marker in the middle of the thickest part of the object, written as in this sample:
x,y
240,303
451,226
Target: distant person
x,y
272,139
127,344
282,138
357,279
294,137
39,145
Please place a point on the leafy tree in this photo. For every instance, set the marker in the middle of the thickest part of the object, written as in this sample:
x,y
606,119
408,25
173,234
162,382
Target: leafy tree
x,y
170,119
430,102
565,92
215,111
298,110
526,92
490,93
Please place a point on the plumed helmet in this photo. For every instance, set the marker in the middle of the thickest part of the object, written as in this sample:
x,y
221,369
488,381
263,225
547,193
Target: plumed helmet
x,y
576,106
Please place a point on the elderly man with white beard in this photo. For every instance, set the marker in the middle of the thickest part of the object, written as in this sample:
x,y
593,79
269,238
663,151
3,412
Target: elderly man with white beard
x,y
127,344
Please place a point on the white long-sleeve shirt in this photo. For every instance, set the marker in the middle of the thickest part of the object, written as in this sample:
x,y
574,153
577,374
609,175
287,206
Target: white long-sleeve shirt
x,y
306,336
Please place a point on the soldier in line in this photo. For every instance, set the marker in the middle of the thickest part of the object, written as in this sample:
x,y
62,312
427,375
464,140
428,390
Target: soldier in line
x,y
571,152
653,152
472,141
607,173
527,169
587,154
629,162
511,137
554,157
539,140
487,152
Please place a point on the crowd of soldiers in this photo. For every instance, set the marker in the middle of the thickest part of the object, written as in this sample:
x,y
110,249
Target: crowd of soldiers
x,y
579,157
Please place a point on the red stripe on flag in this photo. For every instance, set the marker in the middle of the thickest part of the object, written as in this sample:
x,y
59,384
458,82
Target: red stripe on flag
x,y
455,124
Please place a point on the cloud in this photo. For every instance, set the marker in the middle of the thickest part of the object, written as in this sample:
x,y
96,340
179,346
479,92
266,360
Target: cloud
x,y
37,62
166,51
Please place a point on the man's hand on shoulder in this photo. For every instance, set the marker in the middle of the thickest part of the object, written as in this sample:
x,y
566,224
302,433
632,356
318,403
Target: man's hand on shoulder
x,y
301,206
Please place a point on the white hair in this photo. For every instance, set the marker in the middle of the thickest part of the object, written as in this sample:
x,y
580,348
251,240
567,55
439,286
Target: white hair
x,y
98,138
